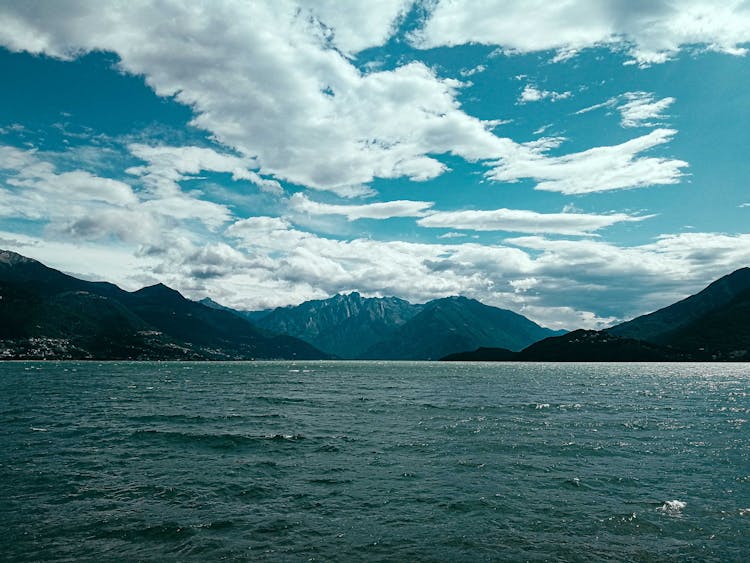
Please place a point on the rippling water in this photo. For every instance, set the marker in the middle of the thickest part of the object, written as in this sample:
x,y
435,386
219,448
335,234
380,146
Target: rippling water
x,y
374,461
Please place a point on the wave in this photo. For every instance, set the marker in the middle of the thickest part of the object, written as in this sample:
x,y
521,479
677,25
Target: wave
x,y
672,508
222,441
185,418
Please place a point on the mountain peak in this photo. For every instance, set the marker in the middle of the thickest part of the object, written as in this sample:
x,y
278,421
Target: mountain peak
x,y
351,296
455,299
208,302
158,290
13,258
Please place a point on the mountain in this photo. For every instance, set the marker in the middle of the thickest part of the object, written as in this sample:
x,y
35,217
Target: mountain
x,y
721,334
712,325
660,326
455,324
714,322
344,325
45,313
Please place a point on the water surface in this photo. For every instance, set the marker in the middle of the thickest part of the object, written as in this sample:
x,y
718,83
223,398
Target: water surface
x,y
376,461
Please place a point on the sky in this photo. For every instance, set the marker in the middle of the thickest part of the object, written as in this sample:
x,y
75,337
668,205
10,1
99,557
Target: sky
x,y
579,162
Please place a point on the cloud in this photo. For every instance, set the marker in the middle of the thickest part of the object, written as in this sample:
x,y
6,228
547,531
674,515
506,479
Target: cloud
x,y
466,72
651,32
266,233
297,109
127,225
84,206
381,210
627,281
168,165
295,104
93,261
592,281
358,26
533,94
641,107
524,221
637,109
33,188
595,170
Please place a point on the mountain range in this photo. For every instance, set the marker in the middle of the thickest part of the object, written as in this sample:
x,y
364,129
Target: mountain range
x,y
344,325
45,313
712,325
388,328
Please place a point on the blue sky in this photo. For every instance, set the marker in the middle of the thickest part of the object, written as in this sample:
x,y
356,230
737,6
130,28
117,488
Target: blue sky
x,y
579,162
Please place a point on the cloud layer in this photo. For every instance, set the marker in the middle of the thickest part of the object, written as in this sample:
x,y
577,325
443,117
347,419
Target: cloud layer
x,y
299,109
524,221
652,32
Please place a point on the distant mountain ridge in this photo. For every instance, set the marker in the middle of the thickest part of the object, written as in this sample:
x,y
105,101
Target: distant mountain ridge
x,y
452,324
343,325
389,328
47,314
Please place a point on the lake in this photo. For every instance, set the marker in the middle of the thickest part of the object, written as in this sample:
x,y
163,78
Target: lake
x,y
374,461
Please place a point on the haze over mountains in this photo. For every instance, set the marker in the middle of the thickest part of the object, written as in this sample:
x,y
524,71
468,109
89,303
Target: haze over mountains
x,y
47,314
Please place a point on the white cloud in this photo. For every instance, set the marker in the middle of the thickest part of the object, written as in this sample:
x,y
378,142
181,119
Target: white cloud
x,y
641,107
169,165
295,109
637,109
533,94
358,25
33,188
288,100
524,221
627,281
266,233
466,72
744,205
81,205
651,32
90,260
524,284
594,170
563,318
381,210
